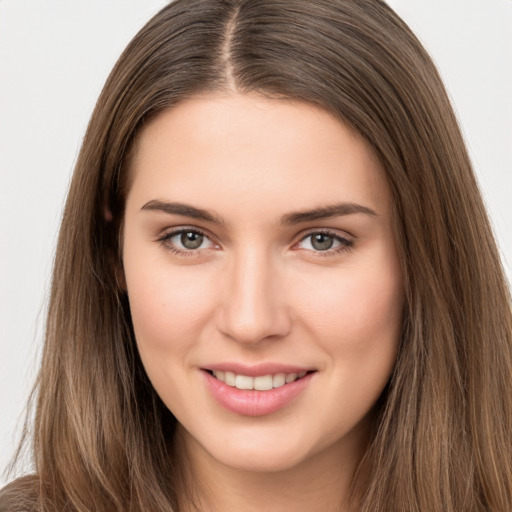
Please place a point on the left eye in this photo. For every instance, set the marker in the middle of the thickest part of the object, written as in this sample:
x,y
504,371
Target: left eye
x,y
188,240
323,242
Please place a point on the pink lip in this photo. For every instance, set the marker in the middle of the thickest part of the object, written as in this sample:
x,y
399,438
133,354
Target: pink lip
x,y
252,402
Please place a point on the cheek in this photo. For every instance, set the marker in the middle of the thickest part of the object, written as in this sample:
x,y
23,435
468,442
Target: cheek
x,y
168,310
168,306
357,314
357,324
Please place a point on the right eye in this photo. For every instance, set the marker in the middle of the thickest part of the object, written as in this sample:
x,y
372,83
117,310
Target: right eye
x,y
185,241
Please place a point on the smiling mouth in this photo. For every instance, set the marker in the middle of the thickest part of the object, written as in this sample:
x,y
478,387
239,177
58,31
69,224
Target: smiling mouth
x,y
260,383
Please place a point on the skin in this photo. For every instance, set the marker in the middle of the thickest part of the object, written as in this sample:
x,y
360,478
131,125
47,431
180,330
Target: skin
x,y
257,291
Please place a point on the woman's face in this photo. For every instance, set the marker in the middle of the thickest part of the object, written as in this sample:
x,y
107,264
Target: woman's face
x,y
263,278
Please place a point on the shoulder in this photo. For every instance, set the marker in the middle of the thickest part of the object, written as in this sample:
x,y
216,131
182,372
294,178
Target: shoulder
x,y
21,495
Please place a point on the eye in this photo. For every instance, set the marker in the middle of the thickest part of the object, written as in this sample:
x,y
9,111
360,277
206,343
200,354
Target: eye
x,y
186,240
190,239
322,241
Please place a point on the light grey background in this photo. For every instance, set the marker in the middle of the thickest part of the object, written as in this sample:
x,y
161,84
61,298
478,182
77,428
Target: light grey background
x,y
54,58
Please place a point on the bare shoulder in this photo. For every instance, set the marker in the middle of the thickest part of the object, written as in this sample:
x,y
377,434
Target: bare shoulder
x,y
21,495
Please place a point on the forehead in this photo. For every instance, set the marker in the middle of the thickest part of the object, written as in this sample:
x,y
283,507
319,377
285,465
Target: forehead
x,y
248,148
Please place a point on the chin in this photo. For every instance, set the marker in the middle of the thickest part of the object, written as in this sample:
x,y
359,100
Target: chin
x,y
266,449
261,460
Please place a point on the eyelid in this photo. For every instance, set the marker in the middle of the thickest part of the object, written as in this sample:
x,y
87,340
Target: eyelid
x,y
346,242
165,237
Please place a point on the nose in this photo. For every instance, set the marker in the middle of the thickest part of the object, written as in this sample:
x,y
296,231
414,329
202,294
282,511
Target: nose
x,y
253,306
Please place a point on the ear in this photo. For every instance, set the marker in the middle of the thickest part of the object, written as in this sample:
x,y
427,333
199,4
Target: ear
x,y
107,214
120,277
115,257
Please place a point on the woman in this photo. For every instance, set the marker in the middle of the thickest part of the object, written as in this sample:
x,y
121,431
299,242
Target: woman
x,y
275,286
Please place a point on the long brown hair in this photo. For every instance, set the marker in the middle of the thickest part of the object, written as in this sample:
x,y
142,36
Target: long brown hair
x,y
443,435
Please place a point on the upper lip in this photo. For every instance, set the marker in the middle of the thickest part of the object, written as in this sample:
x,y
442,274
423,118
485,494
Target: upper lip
x,y
257,370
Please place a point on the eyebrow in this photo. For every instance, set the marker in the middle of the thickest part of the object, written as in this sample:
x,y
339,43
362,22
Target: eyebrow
x,y
325,212
185,210
289,219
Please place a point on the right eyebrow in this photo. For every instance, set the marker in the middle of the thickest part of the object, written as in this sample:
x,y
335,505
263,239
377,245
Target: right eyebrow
x,y
326,212
184,210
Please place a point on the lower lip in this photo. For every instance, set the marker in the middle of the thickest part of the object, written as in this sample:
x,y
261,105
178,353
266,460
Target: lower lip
x,y
253,402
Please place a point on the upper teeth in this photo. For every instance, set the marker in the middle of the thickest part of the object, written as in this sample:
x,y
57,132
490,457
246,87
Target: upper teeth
x,y
262,383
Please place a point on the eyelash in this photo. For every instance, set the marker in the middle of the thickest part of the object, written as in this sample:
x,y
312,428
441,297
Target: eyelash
x,y
165,240
345,243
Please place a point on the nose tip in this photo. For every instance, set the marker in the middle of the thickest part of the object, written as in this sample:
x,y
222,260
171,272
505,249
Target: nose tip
x,y
252,326
253,308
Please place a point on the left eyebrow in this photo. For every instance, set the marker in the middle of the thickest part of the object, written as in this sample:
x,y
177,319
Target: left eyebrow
x,y
325,212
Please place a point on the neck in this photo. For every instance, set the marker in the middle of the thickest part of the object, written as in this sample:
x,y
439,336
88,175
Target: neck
x,y
321,482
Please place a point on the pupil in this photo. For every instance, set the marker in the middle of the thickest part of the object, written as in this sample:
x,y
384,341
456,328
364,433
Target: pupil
x,y
322,242
191,240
